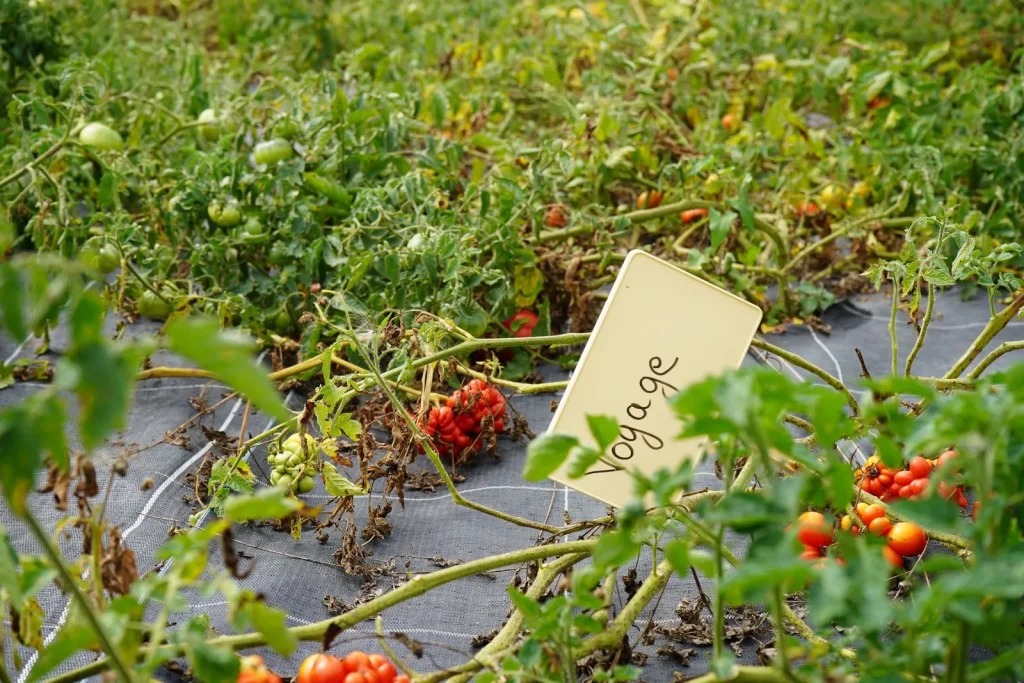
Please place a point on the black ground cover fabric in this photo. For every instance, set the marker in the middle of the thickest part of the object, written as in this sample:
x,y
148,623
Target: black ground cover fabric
x,y
301,577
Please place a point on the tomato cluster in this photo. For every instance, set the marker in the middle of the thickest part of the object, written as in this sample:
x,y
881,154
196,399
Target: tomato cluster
x,y
457,425
903,539
356,667
649,199
911,482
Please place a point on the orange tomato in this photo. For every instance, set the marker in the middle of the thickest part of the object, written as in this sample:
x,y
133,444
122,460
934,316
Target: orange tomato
x,y
919,467
814,531
729,121
255,671
691,215
892,557
811,554
870,512
880,526
402,679
907,538
649,199
846,524
946,457
556,217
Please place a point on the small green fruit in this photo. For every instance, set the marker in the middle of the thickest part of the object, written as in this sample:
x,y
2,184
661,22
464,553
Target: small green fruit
x,y
101,137
152,306
211,125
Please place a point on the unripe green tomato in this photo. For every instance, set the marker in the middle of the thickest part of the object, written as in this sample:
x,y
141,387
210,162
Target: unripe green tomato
x,y
285,480
281,459
225,213
101,137
100,255
152,306
293,460
230,254
286,128
306,484
279,255
283,323
275,477
294,443
211,125
708,37
272,151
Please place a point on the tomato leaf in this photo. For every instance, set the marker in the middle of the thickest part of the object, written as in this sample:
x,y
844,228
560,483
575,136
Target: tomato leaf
x,y
338,485
545,454
271,503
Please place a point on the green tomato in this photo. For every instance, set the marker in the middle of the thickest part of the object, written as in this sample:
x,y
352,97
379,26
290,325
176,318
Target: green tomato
x,y
100,255
279,255
708,36
101,137
275,477
281,459
283,323
306,484
210,128
286,128
152,306
472,319
293,460
231,255
225,213
272,151
294,444
285,480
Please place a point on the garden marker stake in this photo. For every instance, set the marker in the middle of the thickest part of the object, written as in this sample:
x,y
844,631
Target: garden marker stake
x,y
660,331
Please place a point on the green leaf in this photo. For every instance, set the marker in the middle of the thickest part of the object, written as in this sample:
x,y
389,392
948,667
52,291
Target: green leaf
x,y
271,503
745,511
877,84
12,302
614,548
9,579
271,623
106,193
530,652
525,604
776,117
719,225
29,431
227,355
338,485
545,454
605,430
212,664
677,552
581,459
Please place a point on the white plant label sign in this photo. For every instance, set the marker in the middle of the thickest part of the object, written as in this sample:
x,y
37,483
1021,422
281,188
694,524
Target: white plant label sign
x,y
660,331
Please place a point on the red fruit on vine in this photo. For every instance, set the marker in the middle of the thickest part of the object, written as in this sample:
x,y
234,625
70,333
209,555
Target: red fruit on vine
x,y
920,467
814,530
903,478
521,324
556,217
892,557
810,553
874,477
807,209
878,103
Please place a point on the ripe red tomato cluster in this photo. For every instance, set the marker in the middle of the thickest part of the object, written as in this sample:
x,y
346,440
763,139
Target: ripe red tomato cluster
x,y
903,539
456,426
356,667
911,482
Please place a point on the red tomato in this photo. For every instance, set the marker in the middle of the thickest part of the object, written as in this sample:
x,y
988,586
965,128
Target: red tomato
x,y
905,491
556,217
321,668
810,554
904,477
356,677
892,557
521,324
894,489
880,526
385,669
961,499
870,513
974,510
402,679
919,467
918,486
729,121
356,661
814,531
807,209
907,538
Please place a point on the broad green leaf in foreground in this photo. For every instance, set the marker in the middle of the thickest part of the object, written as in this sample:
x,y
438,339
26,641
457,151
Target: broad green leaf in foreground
x,y
228,355
270,503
